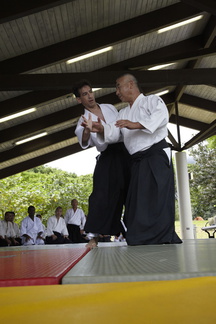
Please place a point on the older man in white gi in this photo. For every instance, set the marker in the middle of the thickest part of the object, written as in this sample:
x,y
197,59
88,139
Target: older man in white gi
x,y
75,220
31,229
57,232
150,205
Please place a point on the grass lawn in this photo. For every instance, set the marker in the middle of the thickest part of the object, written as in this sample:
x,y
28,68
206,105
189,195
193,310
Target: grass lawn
x,y
199,233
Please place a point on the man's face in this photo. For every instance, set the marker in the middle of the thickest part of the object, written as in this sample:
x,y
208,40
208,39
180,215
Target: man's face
x,y
59,212
31,211
86,98
122,88
74,204
9,217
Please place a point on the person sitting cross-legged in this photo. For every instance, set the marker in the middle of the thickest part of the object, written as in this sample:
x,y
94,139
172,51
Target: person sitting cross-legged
x,y
12,232
31,229
57,232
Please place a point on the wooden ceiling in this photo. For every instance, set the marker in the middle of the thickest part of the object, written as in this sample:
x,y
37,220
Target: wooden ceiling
x,y
38,37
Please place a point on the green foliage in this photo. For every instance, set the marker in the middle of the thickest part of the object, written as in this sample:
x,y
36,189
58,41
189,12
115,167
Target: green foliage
x,y
45,188
212,142
203,185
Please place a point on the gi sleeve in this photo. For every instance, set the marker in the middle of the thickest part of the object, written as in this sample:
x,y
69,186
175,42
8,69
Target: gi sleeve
x,y
111,134
153,114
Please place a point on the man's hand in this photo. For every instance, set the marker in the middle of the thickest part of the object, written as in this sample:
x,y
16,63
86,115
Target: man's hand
x,y
87,123
124,123
8,241
15,242
27,237
97,126
39,236
92,126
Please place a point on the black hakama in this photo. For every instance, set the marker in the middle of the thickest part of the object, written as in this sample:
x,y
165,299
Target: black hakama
x,y
110,184
150,207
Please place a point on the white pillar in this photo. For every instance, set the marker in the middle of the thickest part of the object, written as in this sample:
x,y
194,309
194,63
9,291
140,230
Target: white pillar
x,y
184,196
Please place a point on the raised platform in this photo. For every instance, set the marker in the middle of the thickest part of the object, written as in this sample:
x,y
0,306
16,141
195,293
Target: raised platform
x,y
136,283
117,262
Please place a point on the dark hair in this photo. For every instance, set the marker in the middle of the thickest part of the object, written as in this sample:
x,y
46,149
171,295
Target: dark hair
x,y
9,212
77,86
30,207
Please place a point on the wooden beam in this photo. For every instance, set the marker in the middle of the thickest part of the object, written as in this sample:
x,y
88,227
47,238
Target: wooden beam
x,y
44,122
162,54
190,123
98,39
207,132
205,5
13,9
204,104
38,144
30,99
40,160
185,55
106,79
39,98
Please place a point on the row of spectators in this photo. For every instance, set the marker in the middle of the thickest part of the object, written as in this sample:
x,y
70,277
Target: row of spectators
x,y
59,230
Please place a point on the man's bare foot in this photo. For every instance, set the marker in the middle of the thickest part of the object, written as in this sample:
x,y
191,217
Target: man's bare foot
x,y
93,243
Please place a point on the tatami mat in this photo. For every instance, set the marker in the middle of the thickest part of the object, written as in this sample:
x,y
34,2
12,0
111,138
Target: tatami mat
x,y
37,265
121,263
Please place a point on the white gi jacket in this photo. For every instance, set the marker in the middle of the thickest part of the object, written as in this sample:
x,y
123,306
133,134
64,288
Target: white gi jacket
x,y
110,114
149,111
6,229
76,218
16,229
31,228
57,225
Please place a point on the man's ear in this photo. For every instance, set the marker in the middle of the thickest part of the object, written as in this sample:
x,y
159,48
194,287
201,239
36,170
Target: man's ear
x,y
131,84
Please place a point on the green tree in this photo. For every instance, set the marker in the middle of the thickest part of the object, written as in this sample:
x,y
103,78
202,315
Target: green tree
x,y
203,185
212,142
45,188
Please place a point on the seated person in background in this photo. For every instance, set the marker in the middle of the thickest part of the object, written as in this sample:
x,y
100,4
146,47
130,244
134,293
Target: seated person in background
x,y
3,241
44,227
31,229
75,220
57,232
7,231
15,228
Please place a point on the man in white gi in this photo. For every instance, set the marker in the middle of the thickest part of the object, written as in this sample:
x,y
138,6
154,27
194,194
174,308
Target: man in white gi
x,y
10,231
3,241
111,176
31,229
150,204
15,227
7,234
57,232
75,220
